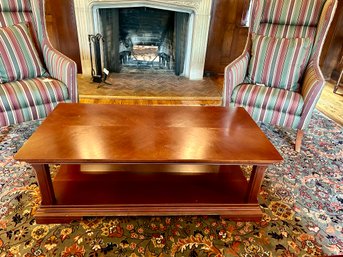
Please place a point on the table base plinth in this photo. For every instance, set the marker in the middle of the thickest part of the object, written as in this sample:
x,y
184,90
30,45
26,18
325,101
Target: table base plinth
x,y
67,214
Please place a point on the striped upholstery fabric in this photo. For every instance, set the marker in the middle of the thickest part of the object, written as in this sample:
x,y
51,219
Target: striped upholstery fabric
x,y
293,18
235,74
15,6
323,27
28,11
313,85
292,12
283,19
30,99
18,56
270,105
278,62
287,31
59,67
62,68
10,18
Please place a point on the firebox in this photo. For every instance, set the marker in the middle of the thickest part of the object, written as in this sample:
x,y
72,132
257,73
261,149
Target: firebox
x,y
143,39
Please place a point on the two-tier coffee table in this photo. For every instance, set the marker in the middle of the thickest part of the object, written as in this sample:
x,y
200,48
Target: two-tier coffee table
x,y
122,160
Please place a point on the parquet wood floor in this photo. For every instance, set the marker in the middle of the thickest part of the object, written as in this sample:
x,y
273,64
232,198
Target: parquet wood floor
x,y
152,89
331,104
157,89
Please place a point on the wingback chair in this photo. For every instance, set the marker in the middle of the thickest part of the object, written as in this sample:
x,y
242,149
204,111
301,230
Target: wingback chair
x,y
34,77
277,78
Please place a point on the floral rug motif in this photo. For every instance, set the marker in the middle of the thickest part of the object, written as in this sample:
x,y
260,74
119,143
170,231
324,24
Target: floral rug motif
x,y
301,199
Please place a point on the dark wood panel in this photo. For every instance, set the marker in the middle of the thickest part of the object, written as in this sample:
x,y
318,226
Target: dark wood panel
x,y
227,35
332,52
62,29
51,26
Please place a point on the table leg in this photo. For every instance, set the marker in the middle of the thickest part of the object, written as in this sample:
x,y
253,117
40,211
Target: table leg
x,y
45,183
255,182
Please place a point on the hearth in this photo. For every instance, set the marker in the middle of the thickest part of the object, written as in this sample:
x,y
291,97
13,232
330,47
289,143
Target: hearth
x,y
192,17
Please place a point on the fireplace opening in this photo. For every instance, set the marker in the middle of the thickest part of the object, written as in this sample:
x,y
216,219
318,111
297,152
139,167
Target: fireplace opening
x,y
143,39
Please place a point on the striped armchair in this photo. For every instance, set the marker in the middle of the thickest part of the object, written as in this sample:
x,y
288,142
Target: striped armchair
x,y
277,78
34,77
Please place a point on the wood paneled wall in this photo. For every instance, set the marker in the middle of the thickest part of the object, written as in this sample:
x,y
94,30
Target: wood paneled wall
x,y
61,27
331,60
227,35
226,40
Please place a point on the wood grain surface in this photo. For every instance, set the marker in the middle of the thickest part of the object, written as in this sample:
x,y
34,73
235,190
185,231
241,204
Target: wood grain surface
x,y
100,133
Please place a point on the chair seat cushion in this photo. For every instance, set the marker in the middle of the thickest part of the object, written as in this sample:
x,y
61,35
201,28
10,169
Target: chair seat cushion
x,y
19,58
267,98
30,98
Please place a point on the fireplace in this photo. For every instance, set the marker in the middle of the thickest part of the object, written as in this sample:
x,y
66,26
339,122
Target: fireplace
x,y
143,39
194,13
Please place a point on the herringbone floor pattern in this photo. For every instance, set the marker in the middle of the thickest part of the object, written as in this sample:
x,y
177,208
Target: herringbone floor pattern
x,y
151,89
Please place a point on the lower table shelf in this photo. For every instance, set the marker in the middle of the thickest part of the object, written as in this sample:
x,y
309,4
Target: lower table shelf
x,y
147,190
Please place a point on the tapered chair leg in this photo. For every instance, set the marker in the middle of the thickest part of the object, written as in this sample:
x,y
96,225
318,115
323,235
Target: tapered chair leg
x,y
298,140
339,80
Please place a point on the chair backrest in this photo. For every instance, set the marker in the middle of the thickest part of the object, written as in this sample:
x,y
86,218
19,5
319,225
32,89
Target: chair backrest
x,y
30,11
293,19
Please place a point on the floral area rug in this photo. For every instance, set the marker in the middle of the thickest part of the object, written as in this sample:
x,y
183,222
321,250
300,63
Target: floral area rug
x,y
301,198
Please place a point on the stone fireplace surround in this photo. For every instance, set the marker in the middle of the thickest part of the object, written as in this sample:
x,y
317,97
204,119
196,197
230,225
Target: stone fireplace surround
x,y
86,12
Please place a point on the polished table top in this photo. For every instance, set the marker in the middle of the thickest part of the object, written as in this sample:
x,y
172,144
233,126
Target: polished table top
x,y
100,133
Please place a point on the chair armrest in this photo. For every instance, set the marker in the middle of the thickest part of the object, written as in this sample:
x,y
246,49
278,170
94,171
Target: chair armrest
x,y
311,90
234,75
62,68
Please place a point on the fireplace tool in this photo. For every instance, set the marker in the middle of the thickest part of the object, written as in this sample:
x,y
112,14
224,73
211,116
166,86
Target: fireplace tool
x,y
98,75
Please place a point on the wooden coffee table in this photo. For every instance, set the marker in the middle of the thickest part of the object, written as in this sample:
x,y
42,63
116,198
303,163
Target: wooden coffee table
x,y
121,160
